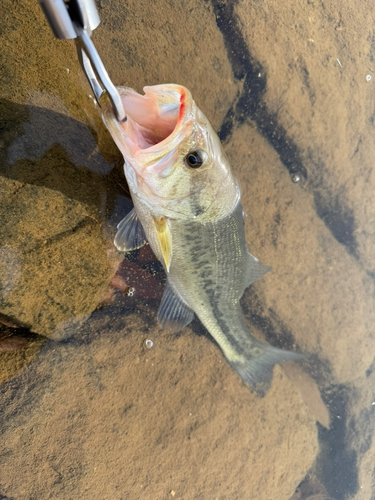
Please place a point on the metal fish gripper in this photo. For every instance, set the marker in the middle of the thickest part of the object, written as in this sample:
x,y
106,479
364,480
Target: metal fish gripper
x,y
74,19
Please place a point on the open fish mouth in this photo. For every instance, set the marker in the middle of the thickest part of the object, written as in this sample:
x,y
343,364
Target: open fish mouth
x,y
154,121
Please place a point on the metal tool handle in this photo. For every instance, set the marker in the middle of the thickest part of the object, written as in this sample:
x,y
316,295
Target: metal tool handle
x,y
97,75
61,16
78,18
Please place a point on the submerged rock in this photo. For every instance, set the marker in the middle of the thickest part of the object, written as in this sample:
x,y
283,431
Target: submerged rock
x,y
57,245
117,420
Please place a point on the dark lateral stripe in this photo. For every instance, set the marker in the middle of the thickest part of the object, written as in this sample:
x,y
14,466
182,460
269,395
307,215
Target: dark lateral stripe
x,y
332,209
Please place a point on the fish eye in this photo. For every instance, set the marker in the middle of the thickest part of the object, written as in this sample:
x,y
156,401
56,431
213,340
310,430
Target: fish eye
x,y
194,159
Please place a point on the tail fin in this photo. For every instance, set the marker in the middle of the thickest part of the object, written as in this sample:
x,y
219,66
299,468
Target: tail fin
x,y
255,370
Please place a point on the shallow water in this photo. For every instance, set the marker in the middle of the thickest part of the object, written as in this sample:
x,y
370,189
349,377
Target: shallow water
x,y
88,409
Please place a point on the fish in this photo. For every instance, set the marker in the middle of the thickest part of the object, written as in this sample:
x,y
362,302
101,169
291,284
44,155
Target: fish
x,y
187,206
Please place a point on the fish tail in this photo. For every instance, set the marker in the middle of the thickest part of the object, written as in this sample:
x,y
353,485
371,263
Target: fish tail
x,y
258,368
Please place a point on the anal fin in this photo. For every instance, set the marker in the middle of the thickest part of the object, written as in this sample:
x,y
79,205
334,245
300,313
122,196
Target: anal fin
x,y
173,314
130,234
255,269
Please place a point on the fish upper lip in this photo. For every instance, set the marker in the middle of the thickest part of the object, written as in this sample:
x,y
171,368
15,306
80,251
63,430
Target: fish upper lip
x,y
184,109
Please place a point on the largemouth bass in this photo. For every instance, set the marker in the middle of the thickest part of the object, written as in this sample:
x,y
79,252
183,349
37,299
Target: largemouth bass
x,y
187,205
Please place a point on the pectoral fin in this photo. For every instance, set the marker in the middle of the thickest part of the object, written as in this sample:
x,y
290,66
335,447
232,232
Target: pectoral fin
x,y
165,240
173,314
130,234
255,269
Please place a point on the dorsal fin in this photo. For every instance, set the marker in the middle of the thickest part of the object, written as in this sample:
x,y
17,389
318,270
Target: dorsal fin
x,y
173,314
130,234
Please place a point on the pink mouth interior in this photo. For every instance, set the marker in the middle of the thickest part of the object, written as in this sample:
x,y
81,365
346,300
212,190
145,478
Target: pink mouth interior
x,y
149,122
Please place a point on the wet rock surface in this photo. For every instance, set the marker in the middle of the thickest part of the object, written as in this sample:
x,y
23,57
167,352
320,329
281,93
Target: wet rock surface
x,y
93,411
113,419
47,245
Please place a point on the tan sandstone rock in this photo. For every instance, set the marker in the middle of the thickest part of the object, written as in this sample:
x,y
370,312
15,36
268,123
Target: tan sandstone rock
x,y
115,420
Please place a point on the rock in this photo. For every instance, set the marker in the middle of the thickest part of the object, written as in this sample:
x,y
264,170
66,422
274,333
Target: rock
x,y
58,245
285,85
116,420
361,433
317,295
315,60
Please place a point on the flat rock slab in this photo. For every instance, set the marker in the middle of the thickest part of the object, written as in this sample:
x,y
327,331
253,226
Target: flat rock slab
x,y
289,87
101,416
47,271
